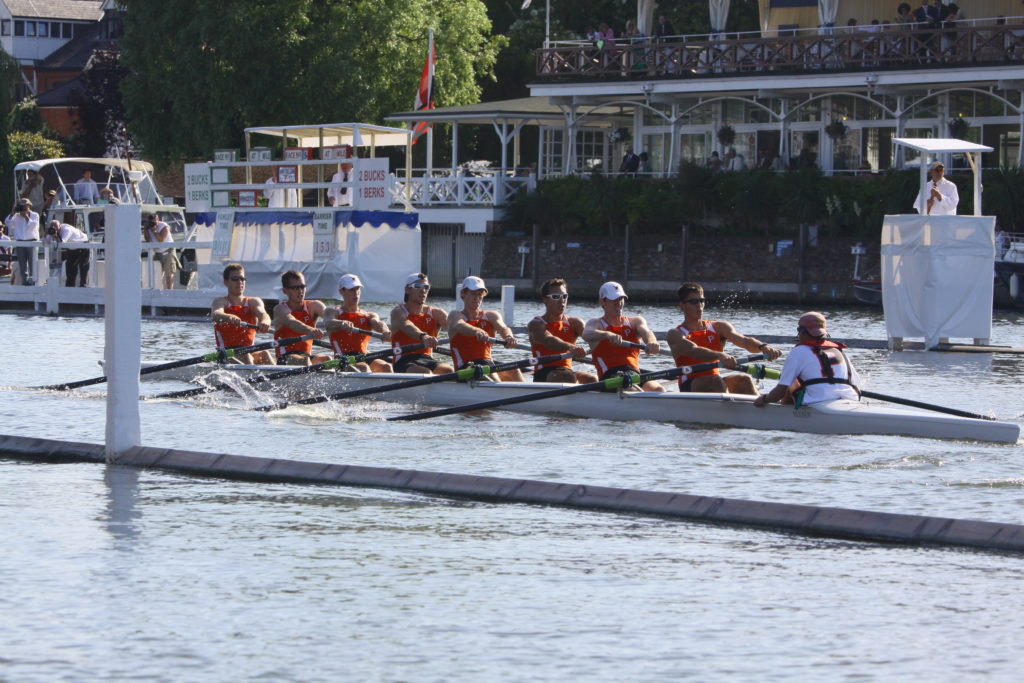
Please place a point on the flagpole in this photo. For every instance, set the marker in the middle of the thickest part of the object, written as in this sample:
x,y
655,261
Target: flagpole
x,y
430,129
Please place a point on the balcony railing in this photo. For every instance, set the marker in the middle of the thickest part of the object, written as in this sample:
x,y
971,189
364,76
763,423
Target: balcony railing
x,y
850,48
484,188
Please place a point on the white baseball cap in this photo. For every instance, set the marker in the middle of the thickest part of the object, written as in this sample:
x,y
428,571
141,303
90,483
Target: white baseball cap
x,y
612,291
473,283
349,281
415,277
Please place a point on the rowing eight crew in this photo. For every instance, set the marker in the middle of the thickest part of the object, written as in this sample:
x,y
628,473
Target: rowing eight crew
x,y
615,339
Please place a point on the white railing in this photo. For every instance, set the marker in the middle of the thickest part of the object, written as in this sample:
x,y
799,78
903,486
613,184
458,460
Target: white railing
x,y
49,291
484,188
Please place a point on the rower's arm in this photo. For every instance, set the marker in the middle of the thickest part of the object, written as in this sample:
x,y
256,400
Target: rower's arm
x,y
331,322
457,325
752,344
283,318
260,310
679,345
502,329
538,334
217,314
646,335
593,334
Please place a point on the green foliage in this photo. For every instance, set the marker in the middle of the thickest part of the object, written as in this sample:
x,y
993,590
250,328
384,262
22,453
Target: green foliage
x,y
9,75
101,115
218,67
31,146
25,116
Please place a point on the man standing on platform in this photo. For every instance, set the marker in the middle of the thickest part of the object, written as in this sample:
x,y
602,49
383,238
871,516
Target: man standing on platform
x,y
24,227
554,332
616,339
86,191
939,196
414,322
237,318
296,316
339,195
696,340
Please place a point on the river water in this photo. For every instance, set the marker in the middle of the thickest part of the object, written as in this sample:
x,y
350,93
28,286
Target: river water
x,y
118,574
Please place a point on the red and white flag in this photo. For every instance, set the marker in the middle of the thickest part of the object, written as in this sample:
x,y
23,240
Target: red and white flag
x,y
425,93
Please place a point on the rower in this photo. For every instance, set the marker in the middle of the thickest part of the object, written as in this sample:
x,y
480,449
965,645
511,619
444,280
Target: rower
x,y
340,322
816,369
414,322
555,332
470,329
237,318
614,337
696,340
296,316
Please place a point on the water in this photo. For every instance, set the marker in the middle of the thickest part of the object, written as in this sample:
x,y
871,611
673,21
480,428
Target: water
x,y
120,574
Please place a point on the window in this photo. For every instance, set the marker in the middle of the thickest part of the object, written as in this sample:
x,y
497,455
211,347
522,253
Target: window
x,y
66,30
5,27
30,28
19,28
55,29
43,29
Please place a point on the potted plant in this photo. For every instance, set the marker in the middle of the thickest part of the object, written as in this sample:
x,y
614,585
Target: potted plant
x,y
836,130
958,127
619,135
726,135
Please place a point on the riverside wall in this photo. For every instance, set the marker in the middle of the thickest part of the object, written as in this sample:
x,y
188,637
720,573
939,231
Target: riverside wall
x,y
744,269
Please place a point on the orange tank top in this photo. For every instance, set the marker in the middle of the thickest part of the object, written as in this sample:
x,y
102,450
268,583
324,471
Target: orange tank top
x,y
425,322
345,343
707,338
466,347
607,356
306,347
561,329
230,336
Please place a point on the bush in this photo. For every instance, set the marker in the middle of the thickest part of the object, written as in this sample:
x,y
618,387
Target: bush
x,y
26,117
31,146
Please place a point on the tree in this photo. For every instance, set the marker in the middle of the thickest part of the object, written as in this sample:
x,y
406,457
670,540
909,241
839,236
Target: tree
x,y
101,115
31,146
25,116
211,73
8,77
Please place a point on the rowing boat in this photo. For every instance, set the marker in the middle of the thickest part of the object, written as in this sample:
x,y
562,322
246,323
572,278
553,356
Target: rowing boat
x,y
732,410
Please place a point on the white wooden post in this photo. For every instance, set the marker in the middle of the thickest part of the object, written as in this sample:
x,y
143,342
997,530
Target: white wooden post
x,y
508,304
122,353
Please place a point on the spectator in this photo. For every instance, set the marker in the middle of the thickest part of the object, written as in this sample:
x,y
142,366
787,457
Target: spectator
x,y
24,226
715,162
645,163
155,230
76,261
107,197
339,195
5,255
32,188
630,163
730,164
86,191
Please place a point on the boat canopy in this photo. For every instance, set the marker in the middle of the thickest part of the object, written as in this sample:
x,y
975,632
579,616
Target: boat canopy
x,y
122,164
355,134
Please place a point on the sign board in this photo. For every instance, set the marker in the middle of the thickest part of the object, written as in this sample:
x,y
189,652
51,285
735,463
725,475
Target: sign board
x,y
336,152
298,153
286,174
260,154
372,184
323,236
222,235
247,198
225,155
197,188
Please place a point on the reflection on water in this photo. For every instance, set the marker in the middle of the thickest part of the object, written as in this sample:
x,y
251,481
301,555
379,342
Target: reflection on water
x,y
122,512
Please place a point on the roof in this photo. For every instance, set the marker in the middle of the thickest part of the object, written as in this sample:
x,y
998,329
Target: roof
x,y
939,145
62,95
74,55
358,134
80,10
116,163
523,108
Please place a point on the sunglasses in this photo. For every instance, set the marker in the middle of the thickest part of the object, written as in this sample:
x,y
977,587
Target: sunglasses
x,y
237,279
557,297
296,287
420,285
696,301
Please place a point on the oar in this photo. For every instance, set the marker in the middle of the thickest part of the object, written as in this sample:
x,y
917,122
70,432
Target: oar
x,y
770,373
617,382
342,362
219,356
465,374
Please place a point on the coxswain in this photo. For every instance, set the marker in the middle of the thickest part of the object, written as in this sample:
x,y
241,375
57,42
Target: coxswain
x,y
294,317
237,318
415,322
340,321
554,332
696,340
613,337
815,370
471,328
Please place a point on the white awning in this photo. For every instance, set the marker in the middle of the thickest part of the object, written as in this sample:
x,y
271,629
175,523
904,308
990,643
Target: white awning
x,y
941,145
40,164
356,134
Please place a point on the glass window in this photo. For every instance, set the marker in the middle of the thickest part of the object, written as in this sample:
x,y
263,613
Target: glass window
x,y
30,29
43,28
590,154
55,29
5,27
19,28
693,147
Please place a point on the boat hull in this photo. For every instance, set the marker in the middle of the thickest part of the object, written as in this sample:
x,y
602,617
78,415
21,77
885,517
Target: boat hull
x,y
731,410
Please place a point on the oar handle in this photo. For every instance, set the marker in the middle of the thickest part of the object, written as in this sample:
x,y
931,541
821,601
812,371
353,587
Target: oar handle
x,y
369,333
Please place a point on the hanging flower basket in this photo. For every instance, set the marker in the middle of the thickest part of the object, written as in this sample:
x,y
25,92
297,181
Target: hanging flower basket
x,y
837,130
726,135
958,127
619,135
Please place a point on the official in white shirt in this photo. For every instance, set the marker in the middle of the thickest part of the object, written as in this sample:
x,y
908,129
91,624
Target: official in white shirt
x,y
338,195
24,227
76,261
939,196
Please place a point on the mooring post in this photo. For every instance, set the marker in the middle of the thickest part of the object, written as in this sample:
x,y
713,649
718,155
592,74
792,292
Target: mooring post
x,y
508,304
122,352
